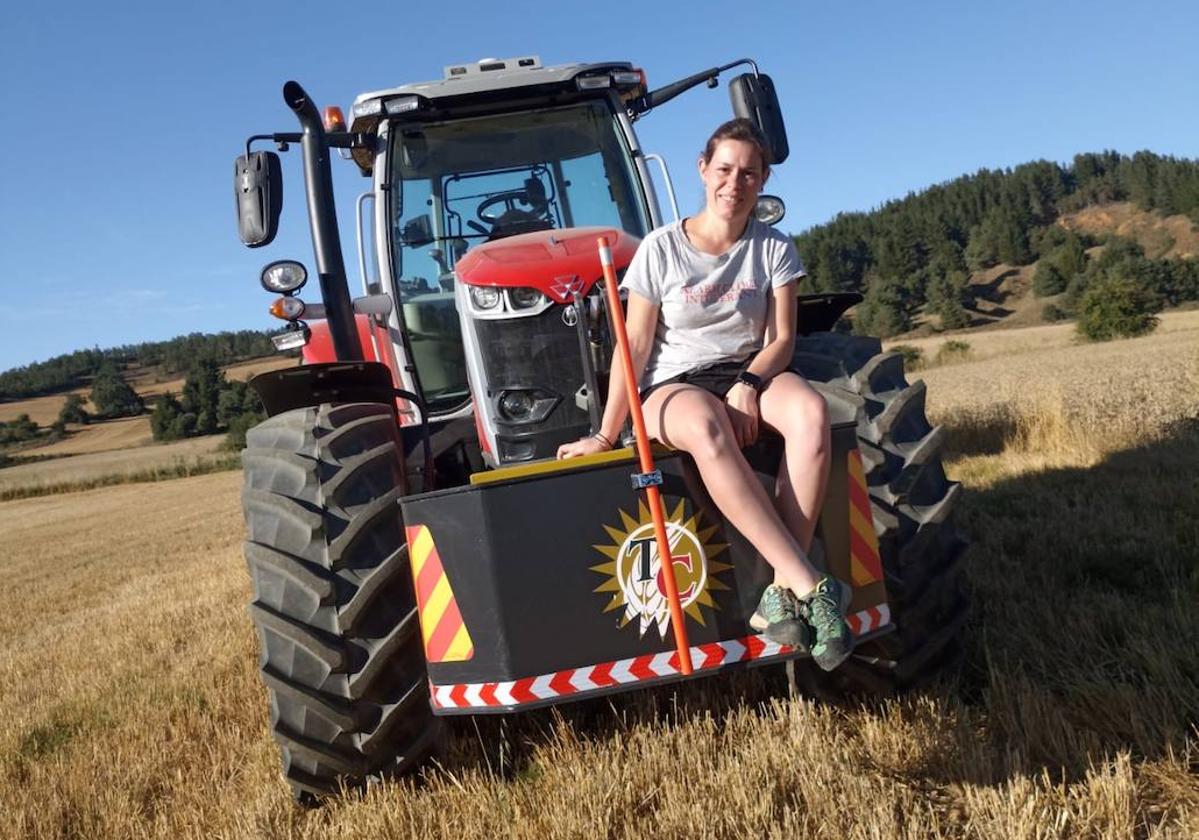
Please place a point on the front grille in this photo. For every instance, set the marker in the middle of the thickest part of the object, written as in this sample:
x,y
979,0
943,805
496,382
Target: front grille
x,y
540,352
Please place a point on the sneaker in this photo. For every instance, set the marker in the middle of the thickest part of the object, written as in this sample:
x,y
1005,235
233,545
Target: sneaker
x,y
777,618
824,610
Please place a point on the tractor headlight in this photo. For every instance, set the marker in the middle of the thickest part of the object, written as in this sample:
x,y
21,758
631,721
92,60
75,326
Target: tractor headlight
x,y
484,297
283,276
516,405
525,298
526,406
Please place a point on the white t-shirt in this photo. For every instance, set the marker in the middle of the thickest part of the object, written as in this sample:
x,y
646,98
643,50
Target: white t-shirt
x,y
710,309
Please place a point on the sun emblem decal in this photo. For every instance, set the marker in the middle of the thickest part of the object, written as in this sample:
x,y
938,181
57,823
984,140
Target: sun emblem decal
x,y
634,570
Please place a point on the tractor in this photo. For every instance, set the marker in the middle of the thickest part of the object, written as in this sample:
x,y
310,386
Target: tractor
x,y
415,549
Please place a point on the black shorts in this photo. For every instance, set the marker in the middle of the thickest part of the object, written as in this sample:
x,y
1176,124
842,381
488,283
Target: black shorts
x,y
716,378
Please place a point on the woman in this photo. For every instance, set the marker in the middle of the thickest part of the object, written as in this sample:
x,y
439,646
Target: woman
x,y
711,322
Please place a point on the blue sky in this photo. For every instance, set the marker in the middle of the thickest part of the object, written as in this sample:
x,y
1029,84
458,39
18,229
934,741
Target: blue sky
x,y
120,122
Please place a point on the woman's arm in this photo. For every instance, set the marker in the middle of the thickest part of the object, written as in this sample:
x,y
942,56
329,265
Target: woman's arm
x,y
774,357
779,346
641,321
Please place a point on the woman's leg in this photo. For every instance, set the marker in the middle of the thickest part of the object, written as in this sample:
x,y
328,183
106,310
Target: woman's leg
x,y
691,419
794,409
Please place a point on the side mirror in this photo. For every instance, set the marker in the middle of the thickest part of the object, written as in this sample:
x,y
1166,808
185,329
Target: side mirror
x,y
770,209
417,231
753,98
258,188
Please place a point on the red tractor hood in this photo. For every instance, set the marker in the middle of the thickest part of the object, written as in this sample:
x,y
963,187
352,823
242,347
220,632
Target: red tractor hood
x,y
555,262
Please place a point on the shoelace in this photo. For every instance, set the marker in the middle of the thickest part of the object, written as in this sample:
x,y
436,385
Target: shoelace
x,y
778,602
824,608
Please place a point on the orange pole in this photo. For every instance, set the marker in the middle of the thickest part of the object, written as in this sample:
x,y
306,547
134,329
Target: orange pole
x,y
646,457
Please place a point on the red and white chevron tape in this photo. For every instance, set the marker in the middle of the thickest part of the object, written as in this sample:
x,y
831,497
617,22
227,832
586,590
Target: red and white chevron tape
x,y
625,671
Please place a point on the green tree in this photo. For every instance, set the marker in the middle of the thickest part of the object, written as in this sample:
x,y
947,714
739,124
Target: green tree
x,y
1116,307
162,420
1048,279
202,395
982,250
19,430
948,297
886,310
73,411
112,396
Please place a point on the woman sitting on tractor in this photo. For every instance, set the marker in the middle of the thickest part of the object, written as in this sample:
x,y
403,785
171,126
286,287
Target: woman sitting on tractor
x,y
711,319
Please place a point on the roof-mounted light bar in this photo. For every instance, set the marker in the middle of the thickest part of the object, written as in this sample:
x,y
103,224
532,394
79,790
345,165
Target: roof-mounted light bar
x,y
401,105
630,83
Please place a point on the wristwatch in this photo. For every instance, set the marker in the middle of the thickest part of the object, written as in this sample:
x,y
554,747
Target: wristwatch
x,y
752,380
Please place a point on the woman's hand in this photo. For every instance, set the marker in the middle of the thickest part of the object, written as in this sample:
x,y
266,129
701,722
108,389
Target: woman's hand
x,y
582,446
741,403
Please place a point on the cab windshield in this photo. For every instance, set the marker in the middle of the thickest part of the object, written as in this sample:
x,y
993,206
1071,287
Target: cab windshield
x,y
460,183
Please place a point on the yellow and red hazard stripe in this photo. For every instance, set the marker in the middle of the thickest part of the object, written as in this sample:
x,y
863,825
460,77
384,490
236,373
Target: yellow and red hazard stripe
x,y
445,635
865,564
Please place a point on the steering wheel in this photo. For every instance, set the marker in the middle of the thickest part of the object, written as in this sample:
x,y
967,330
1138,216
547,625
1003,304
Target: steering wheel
x,y
487,212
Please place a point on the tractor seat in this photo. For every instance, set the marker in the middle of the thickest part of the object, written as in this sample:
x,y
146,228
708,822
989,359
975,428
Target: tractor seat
x,y
514,222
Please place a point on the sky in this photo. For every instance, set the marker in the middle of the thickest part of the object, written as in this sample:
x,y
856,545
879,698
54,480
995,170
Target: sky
x,y
120,121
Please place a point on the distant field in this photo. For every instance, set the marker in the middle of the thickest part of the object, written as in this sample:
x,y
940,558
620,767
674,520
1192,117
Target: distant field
x,y
95,466
126,432
44,410
986,344
132,706
146,385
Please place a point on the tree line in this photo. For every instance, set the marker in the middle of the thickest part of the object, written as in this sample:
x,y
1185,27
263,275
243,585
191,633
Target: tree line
x,y
72,370
915,254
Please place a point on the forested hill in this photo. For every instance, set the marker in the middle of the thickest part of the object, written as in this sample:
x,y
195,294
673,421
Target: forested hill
x,y
73,370
915,254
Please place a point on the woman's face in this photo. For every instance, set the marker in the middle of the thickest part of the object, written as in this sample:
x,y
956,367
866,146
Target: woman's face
x,y
733,178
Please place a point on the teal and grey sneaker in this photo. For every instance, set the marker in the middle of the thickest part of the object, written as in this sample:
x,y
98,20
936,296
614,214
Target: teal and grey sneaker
x,y
824,610
777,618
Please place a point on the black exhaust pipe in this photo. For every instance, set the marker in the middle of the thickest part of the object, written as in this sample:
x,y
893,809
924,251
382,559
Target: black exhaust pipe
x,y
322,219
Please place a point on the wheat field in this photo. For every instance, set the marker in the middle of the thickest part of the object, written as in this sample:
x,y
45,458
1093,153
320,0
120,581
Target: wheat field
x,y
131,705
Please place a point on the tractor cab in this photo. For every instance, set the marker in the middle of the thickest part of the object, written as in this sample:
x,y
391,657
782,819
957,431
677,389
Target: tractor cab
x,y
489,188
484,177
476,209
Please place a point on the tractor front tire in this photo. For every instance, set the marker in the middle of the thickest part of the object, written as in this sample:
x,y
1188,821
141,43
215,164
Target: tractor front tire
x,y
333,604
911,501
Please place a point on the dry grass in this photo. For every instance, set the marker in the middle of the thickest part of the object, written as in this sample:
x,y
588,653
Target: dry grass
x,y
1037,393
132,707
1175,326
94,469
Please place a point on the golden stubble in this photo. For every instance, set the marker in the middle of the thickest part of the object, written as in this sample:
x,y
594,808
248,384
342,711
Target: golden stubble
x,y
132,707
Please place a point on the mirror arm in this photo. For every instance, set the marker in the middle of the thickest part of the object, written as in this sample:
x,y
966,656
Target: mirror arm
x,y
280,139
668,92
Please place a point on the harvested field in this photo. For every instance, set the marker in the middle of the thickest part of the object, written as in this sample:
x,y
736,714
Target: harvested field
x,y
148,386
132,707
41,410
84,468
987,344
122,433
1078,398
